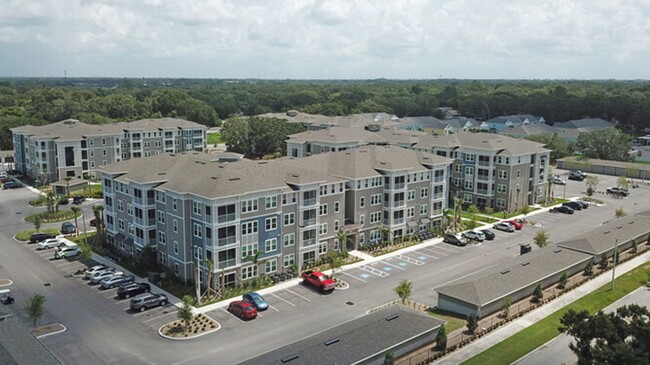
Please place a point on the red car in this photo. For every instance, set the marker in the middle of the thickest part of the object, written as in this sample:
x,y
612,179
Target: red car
x,y
242,309
518,225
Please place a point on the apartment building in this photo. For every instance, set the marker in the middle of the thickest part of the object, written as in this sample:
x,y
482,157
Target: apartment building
x,y
76,149
253,217
492,170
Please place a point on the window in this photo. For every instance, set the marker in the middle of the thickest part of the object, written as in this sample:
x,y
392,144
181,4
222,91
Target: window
x,y
175,247
410,195
467,198
469,157
196,208
248,251
129,209
270,266
131,229
198,254
323,209
198,230
248,272
120,206
336,226
271,245
163,258
469,170
501,188
289,239
322,248
175,226
322,228
270,202
289,198
362,202
92,153
469,184
161,217
362,219
104,153
120,224
518,174
337,207
289,219
249,206
289,260
162,238
249,228
375,217
458,168
424,192
503,174
501,203
174,203
423,209
375,199
410,212
271,223
91,142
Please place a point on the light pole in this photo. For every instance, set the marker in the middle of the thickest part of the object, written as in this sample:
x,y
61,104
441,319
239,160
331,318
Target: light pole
x,y
564,193
83,220
615,256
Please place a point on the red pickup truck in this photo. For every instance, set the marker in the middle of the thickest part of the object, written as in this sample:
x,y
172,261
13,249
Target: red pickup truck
x,y
319,280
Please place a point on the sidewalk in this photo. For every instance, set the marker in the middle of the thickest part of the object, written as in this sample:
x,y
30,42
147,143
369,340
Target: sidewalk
x,y
513,327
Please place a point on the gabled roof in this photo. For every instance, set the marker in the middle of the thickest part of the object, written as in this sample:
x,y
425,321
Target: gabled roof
x,y
603,238
515,118
585,123
423,122
504,145
338,135
530,130
351,342
19,346
505,278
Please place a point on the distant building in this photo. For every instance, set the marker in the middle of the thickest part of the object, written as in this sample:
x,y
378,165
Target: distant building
x,y
450,113
315,122
498,124
71,148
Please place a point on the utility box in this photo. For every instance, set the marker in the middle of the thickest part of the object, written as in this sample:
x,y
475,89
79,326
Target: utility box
x,y
525,248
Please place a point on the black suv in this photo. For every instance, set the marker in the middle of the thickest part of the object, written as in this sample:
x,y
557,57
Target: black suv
x,y
39,236
574,205
67,228
78,199
132,289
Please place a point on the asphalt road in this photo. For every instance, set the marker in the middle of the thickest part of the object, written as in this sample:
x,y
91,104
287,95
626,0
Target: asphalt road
x,y
102,331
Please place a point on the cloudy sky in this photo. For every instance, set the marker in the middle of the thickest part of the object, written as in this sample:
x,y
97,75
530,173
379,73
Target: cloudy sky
x,y
327,39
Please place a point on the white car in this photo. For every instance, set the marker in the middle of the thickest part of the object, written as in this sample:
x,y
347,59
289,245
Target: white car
x,y
49,243
505,226
92,270
474,235
97,277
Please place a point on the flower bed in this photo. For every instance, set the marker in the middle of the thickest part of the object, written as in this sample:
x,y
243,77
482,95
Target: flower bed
x,y
200,324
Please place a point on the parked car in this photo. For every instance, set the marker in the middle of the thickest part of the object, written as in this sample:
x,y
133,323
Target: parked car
x,y
577,173
256,300
454,239
10,185
114,281
143,302
49,243
573,205
68,228
576,177
242,309
67,251
3,176
93,222
78,199
616,191
132,289
318,280
563,209
489,235
101,275
474,235
40,236
518,225
504,226
97,268
583,204
557,181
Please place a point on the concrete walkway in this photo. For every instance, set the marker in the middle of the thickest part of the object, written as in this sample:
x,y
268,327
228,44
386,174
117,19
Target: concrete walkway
x,y
540,313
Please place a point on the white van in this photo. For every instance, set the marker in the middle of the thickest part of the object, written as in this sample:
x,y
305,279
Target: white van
x,y
68,249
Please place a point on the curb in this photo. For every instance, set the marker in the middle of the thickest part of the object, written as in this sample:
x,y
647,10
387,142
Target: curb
x,y
189,337
53,333
9,280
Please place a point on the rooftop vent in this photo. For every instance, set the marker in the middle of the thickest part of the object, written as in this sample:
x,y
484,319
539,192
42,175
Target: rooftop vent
x,y
525,263
619,227
332,341
233,179
630,222
172,154
221,166
162,173
394,316
557,250
213,177
606,232
295,175
289,358
263,162
505,271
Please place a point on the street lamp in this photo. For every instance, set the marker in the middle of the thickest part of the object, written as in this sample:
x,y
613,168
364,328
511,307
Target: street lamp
x,y
83,220
615,256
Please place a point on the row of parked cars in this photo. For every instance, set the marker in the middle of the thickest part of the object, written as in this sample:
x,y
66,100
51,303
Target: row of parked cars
x,y
570,207
482,234
64,249
248,306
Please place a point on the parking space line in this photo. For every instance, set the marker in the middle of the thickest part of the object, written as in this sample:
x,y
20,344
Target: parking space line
x,y
446,248
436,252
274,308
293,292
393,265
160,316
410,260
62,264
232,315
427,255
151,310
121,301
282,299
354,277
372,270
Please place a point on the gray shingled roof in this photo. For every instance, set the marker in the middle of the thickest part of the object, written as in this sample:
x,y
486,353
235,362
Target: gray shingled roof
x,y
603,238
338,135
19,346
596,123
358,339
483,141
530,130
503,279
425,122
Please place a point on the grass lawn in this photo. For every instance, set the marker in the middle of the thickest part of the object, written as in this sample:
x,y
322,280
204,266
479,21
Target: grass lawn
x,y
543,331
53,217
24,235
481,217
214,138
557,201
454,321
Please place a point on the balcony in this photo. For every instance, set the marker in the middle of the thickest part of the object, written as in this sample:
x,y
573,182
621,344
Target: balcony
x,y
483,177
438,196
226,241
398,203
398,221
309,202
109,209
484,163
138,221
482,191
227,263
436,212
439,179
308,222
137,200
223,218
308,242
151,221
108,190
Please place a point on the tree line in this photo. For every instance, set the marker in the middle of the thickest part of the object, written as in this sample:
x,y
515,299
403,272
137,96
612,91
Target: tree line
x,y
41,101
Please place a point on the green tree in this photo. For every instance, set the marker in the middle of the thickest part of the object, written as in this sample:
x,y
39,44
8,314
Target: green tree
x,y
34,308
622,182
604,261
619,337
563,280
343,239
525,210
541,238
592,183
86,250
558,146
473,211
389,358
619,213
75,210
98,211
607,144
403,290
441,338
538,293
334,261
186,312
37,222
589,268
472,323
67,186
505,307
634,247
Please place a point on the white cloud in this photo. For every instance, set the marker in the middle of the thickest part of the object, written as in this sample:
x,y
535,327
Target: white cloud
x,y
329,38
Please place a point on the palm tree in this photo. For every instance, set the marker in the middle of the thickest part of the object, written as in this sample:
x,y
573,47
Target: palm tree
x,y
75,210
67,186
185,313
458,206
386,232
98,210
209,264
445,218
50,198
620,213
342,237
541,238
403,289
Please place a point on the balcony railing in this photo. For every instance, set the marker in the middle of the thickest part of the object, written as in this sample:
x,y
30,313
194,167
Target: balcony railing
x,y
223,218
482,191
151,221
436,212
483,177
438,196
308,242
398,203
137,200
227,263
138,221
398,221
309,202
308,222
227,241
484,163
439,179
